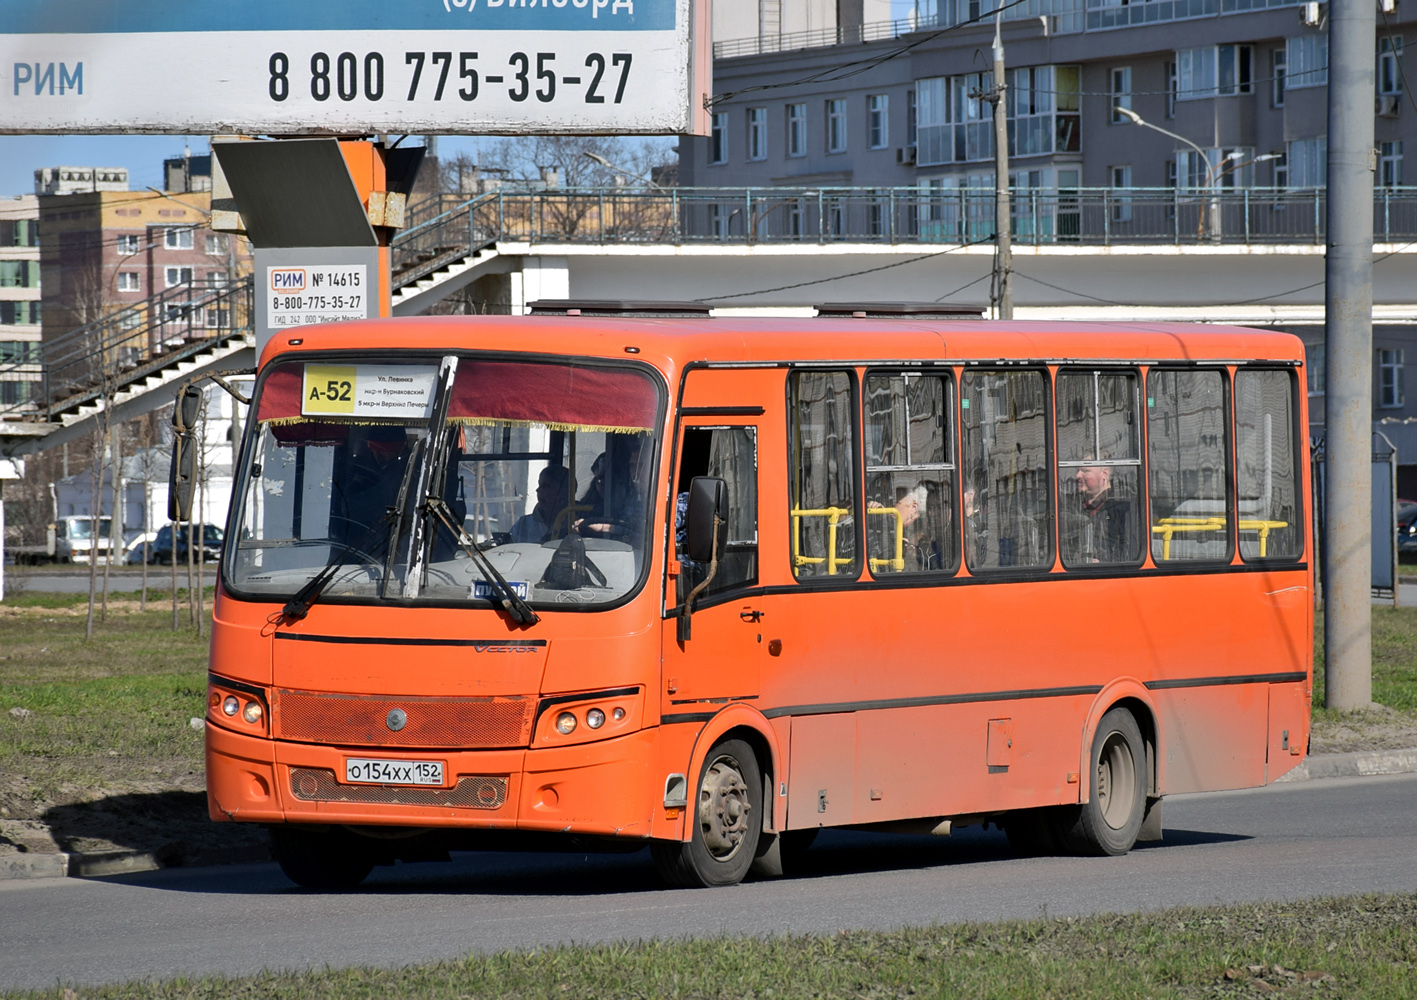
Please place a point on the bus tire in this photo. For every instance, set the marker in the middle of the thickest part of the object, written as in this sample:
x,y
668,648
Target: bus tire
x,y
727,823
320,860
1109,821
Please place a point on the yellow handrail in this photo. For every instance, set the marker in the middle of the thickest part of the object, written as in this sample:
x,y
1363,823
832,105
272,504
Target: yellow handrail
x,y
898,563
1169,526
833,515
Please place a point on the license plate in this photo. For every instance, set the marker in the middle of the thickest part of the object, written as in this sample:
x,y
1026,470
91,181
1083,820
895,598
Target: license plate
x,y
482,590
361,771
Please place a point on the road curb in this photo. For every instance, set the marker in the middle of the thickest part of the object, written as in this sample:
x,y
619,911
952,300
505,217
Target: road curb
x,y
1359,764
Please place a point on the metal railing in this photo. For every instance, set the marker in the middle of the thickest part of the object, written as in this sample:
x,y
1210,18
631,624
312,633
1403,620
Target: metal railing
x,y
128,344
899,215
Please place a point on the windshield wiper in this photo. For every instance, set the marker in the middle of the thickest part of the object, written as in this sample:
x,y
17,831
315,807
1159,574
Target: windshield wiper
x,y
299,605
517,609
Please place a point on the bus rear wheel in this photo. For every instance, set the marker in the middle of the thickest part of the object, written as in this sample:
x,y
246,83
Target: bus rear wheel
x,y
332,859
1109,821
727,822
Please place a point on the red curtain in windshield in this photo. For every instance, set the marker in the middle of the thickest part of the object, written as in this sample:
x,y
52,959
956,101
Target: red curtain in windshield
x,y
561,397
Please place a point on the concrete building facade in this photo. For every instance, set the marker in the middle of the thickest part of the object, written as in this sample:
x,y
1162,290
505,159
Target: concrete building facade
x,y
21,312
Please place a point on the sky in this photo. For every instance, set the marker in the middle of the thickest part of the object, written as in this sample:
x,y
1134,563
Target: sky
x,y
22,155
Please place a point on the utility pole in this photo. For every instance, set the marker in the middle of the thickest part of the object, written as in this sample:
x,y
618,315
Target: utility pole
x,y
1348,390
1003,250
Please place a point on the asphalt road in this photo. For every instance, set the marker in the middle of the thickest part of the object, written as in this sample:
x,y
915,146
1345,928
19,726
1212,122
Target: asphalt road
x,y
1286,842
75,579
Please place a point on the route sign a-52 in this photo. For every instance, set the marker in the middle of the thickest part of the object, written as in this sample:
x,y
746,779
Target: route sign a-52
x,y
278,67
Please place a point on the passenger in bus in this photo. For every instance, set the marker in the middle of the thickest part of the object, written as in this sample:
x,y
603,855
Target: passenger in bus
x,y
976,519
1102,527
544,523
920,551
614,497
372,486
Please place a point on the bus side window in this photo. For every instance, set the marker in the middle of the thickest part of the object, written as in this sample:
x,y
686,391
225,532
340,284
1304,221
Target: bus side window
x,y
1100,510
823,475
730,454
909,474
1268,476
1186,432
1004,421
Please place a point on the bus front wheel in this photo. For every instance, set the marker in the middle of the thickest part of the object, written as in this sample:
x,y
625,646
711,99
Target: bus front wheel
x,y
727,821
331,859
1109,822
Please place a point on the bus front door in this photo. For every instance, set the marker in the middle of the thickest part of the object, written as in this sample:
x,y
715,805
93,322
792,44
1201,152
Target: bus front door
x,y
719,662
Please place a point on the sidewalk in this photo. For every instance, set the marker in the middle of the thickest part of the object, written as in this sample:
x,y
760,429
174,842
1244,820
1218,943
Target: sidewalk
x,y
33,864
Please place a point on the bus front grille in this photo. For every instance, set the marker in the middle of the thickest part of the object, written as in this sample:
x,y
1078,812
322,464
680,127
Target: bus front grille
x,y
473,791
389,720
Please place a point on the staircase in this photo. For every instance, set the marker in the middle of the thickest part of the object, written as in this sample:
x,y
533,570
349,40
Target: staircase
x,y
436,257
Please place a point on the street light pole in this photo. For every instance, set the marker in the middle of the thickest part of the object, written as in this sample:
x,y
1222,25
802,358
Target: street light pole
x,y
1003,245
1210,176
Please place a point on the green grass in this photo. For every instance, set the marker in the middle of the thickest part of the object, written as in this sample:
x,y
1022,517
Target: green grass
x,y
1359,947
1394,660
113,711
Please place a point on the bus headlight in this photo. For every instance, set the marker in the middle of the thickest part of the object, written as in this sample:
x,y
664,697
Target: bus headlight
x,y
565,723
584,718
230,705
595,718
252,712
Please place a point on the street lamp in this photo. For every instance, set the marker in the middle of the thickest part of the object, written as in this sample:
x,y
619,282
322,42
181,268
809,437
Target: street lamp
x,y
1210,175
621,170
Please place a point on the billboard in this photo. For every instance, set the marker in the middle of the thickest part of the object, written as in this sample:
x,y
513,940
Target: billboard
x,y
289,67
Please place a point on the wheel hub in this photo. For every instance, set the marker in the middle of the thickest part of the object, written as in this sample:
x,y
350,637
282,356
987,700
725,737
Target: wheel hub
x,y
723,809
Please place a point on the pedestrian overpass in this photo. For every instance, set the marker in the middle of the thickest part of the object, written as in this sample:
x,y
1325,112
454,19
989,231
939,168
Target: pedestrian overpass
x,y
1247,257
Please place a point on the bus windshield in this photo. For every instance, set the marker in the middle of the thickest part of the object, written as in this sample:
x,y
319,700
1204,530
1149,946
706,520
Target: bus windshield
x,y
543,466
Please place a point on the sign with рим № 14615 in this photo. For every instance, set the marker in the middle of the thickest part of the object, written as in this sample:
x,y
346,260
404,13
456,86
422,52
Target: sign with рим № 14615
x,y
315,293
354,66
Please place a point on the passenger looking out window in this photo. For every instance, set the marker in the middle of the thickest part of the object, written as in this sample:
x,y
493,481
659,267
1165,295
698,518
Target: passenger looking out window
x,y
1099,468
909,474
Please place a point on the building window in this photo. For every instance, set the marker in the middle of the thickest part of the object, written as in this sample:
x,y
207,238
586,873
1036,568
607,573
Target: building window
x,y
910,117
836,125
797,130
216,245
1276,78
1305,163
19,233
1121,203
718,139
19,274
1390,164
178,276
217,279
129,281
12,393
128,245
1281,171
177,238
1306,61
1171,85
1214,71
757,133
1389,73
878,120
1389,378
1121,94
22,313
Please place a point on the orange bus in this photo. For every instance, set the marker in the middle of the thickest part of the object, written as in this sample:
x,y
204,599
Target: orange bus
x,y
709,585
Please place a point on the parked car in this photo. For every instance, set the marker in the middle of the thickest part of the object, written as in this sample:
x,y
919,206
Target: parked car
x,y
160,551
134,551
1406,526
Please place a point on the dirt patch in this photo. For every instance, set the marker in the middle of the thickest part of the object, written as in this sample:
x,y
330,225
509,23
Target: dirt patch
x,y
164,815
1379,728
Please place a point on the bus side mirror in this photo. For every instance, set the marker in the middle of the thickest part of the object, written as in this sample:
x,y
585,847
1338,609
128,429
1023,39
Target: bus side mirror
x,y
708,500
182,477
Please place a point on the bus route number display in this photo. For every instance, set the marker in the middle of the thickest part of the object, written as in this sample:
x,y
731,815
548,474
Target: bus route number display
x,y
379,391
315,293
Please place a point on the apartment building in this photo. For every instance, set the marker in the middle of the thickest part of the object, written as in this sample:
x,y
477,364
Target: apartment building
x,y
20,293
105,251
1242,82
